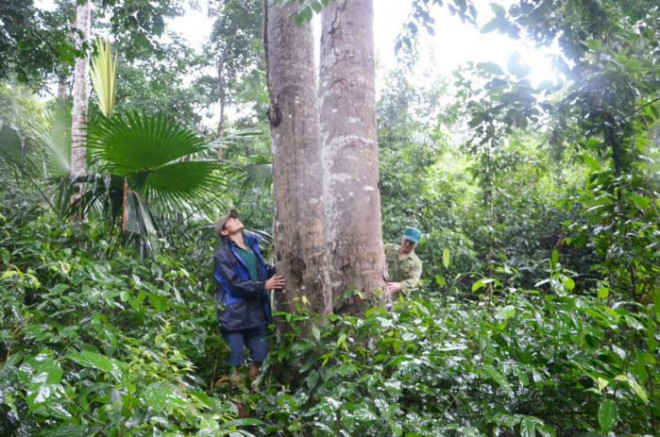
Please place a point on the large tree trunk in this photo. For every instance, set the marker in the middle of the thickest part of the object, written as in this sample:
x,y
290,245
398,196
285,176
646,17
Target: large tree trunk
x,y
297,170
350,149
80,94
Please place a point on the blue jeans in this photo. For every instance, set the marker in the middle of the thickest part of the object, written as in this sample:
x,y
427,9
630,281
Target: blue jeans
x,y
253,338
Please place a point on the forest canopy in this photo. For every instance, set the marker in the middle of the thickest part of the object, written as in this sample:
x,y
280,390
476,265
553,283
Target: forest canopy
x,y
121,145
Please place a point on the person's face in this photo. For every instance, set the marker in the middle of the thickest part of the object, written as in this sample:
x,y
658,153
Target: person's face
x,y
232,226
407,246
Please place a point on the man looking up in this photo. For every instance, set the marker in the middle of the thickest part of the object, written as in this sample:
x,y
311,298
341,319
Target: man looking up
x,y
404,267
243,307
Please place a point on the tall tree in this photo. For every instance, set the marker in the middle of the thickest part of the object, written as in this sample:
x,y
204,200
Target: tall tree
x,y
350,148
236,43
80,91
297,168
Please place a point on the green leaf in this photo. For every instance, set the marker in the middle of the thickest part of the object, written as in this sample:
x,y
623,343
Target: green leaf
x,y
554,258
637,388
481,283
135,142
494,374
568,282
603,293
446,258
527,427
40,369
591,162
505,313
608,414
93,360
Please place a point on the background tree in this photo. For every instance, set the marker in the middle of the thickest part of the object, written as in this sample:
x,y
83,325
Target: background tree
x,y
80,93
236,40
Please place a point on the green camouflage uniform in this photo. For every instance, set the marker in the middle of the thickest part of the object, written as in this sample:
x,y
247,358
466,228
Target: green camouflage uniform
x,y
406,270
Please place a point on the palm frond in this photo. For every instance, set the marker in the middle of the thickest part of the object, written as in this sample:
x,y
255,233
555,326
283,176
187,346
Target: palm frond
x,y
181,179
104,77
257,173
57,141
11,144
234,138
135,142
140,224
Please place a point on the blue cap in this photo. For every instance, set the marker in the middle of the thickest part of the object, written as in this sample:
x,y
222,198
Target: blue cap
x,y
412,234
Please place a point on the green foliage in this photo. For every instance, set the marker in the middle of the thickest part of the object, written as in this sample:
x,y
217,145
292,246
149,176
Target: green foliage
x,y
152,83
523,364
91,345
33,43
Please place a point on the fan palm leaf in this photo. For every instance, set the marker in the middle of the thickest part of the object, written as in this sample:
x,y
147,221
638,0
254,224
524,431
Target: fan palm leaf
x,y
156,155
57,141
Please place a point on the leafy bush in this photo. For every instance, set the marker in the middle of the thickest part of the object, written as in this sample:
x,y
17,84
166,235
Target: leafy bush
x,y
527,364
98,346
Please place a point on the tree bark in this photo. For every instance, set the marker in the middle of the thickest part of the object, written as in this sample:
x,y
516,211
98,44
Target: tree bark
x,y
299,227
350,150
80,94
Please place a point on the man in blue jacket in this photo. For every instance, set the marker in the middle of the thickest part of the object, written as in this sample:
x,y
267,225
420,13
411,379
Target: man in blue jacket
x,y
243,307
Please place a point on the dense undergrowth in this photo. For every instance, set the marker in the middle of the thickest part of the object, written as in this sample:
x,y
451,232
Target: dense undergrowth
x,y
96,341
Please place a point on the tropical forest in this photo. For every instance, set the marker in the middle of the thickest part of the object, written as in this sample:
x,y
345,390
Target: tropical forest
x,y
329,218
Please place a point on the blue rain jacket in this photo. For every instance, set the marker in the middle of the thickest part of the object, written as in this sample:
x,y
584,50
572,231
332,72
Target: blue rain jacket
x,y
241,302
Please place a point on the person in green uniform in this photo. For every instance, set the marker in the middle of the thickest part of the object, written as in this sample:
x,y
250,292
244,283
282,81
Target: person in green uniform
x,y
404,267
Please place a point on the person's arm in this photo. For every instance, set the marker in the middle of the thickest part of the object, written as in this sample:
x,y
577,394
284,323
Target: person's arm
x,y
412,278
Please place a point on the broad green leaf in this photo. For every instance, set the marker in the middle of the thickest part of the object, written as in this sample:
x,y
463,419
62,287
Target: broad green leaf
x,y
602,383
569,283
93,360
603,293
481,283
499,378
527,427
643,203
316,333
505,313
40,369
608,414
637,388
591,162
554,258
446,257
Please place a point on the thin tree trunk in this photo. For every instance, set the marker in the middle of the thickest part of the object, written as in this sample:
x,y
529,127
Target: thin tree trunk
x,y
62,85
222,92
80,96
297,170
350,150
